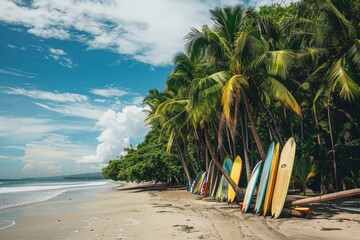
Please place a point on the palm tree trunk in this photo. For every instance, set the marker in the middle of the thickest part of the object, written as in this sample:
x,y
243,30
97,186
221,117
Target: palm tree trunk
x,y
236,114
246,155
219,166
272,120
228,134
332,144
207,159
182,160
317,128
253,127
327,197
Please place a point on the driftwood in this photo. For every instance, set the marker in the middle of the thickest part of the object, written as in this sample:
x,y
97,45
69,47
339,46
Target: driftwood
x,y
327,197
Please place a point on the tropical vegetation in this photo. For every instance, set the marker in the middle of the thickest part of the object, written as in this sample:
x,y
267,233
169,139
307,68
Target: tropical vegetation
x,y
251,78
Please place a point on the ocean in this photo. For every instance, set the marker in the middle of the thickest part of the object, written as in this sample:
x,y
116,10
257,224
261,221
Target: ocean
x,y
18,196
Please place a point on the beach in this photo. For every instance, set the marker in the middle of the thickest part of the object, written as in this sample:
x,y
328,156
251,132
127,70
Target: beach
x,y
148,211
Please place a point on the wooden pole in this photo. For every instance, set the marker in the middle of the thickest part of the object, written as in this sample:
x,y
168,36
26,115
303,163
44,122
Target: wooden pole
x,y
327,197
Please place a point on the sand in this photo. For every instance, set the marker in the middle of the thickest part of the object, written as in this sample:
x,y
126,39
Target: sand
x,y
154,212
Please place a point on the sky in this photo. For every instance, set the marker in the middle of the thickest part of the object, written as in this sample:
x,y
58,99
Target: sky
x,y
73,75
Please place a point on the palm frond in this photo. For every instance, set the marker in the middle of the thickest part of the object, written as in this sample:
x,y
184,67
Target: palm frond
x,y
320,98
339,77
346,26
279,92
280,62
170,142
268,28
354,53
234,85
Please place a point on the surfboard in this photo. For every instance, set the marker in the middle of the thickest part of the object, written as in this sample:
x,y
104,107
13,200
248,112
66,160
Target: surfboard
x,y
264,179
197,188
204,184
211,178
283,177
235,175
251,186
223,185
272,178
196,181
216,184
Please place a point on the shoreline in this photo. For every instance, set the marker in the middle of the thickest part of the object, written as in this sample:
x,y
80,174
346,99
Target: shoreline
x,y
147,211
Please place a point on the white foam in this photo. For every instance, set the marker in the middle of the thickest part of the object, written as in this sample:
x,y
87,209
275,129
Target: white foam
x,y
47,187
11,223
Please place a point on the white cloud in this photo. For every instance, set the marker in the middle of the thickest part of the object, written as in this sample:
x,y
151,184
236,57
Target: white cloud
x,y
58,52
11,46
61,57
109,92
118,129
54,154
23,130
44,95
82,110
150,31
17,73
137,100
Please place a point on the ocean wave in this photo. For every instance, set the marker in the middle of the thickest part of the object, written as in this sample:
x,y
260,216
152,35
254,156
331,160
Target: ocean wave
x,y
6,224
48,187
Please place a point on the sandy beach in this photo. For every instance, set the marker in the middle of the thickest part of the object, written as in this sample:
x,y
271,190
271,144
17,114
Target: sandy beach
x,y
140,211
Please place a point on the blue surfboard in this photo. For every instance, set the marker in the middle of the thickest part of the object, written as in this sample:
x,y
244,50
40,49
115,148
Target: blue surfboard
x,y
264,179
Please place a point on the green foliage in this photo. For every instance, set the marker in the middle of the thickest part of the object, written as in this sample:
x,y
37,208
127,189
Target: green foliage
x,y
299,68
148,162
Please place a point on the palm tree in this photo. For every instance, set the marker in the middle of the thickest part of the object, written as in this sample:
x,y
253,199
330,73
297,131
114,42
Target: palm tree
x,y
169,118
331,51
239,46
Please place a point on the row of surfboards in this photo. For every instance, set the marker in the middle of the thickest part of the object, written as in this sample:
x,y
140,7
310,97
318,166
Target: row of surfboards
x,y
274,174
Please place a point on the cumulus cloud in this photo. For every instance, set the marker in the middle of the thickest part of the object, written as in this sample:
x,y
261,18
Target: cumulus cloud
x,y
148,31
137,100
151,32
118,130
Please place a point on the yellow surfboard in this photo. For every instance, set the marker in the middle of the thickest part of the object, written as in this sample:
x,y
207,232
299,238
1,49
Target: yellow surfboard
x,y
197,187
283,177
272,178
235,175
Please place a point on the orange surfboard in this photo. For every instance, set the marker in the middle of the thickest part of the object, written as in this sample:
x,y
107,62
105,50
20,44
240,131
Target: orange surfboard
x,y
272,178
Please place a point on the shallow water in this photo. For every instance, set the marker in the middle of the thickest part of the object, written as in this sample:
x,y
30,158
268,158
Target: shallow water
x,y
20,199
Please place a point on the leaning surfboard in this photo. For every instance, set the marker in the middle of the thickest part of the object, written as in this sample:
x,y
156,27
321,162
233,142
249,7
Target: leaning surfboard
x,y
223,186
197,188
272,178
235,175
283,177
216,185
204,184
196,182
211,178
251,187
264,179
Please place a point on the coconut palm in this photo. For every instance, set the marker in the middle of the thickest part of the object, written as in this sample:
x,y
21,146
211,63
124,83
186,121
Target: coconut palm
x,y
330,49
245,47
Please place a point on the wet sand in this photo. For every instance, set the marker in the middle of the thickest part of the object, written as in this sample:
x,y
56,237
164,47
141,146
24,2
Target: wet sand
x,y
156,212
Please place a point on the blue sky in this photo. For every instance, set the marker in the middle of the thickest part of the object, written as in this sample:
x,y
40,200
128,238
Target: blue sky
x,y
73,75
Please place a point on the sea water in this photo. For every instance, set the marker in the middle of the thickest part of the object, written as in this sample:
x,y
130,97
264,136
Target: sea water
x,y
24,192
